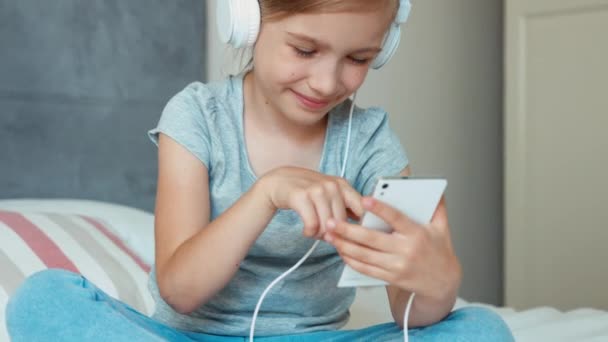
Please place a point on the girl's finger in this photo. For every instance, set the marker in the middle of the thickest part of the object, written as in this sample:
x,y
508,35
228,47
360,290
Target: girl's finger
x,y
306,209
351,215
352,199
355,233
369,270
322,208
338,208
440,217
392,216
356,251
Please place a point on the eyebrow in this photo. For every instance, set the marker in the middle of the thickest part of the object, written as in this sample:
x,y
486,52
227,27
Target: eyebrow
x,y
324,45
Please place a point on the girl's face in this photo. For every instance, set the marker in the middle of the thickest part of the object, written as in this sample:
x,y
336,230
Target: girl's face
x,y
306,64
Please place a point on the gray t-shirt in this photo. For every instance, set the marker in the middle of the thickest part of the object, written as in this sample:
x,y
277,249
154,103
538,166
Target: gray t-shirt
x,y
207,119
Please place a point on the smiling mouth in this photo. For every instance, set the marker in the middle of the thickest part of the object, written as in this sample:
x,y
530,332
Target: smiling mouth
x,y
309,102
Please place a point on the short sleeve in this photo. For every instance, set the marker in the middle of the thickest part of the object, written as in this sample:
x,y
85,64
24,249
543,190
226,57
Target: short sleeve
x,y
184,119
380,152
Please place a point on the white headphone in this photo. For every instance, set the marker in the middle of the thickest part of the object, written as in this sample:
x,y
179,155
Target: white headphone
x,y
238,23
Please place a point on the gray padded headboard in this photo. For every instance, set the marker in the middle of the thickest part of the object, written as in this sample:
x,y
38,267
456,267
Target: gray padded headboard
x,y
80,83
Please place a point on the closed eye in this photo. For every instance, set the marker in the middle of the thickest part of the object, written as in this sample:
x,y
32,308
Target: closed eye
x,y
359,60
304,53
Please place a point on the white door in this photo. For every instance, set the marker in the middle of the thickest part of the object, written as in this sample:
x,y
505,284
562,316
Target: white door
x,y
556,150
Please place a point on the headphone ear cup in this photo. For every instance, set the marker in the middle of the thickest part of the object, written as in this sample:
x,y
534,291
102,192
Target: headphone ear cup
x,y
389,47
238,22
393,37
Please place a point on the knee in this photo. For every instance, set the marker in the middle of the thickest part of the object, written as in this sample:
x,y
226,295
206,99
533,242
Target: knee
x,y
37,296
483,321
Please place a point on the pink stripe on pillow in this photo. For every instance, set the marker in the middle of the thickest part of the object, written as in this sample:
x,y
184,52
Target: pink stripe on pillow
x,y
117,241
45,248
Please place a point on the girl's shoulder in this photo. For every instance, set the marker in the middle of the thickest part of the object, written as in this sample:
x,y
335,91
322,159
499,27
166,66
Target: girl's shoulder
x,y
199,116
208,97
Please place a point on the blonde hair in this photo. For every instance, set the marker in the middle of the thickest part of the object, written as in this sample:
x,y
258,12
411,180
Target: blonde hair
x,y
272,10
275,10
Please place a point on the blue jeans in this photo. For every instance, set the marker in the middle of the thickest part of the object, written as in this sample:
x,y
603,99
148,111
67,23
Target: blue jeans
x,y
56,305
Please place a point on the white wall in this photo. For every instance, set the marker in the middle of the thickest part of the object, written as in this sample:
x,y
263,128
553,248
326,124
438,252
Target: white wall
x,y
443,90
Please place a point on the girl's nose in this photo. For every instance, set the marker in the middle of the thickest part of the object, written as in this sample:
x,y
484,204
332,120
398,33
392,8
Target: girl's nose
x,y
324,79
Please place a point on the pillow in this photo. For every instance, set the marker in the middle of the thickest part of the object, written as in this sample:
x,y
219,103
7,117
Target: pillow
x,y
31,241
135,227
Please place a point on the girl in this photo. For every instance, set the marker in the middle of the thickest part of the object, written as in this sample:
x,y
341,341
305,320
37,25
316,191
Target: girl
x,y
251,175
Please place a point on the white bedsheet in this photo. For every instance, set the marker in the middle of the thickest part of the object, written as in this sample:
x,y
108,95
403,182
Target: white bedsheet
x,y
549,324
539,324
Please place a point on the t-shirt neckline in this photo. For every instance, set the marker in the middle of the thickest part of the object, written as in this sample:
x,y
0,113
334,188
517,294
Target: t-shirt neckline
x,y
240,111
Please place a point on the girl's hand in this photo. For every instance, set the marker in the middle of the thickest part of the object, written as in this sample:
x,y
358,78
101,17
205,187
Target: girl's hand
x,y
314,196
416,258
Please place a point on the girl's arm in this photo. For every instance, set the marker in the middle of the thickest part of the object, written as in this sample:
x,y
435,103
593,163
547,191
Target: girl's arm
x,y
192,264
195,258
424,311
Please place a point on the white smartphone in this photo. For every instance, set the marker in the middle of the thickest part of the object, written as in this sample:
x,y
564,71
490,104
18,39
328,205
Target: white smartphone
x,y
415,197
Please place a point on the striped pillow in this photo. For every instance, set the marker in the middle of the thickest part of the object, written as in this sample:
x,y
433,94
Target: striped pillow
x,y
33,241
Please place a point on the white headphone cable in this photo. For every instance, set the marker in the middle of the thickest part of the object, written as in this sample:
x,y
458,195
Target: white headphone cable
x,y
294,267
406,316
279,278
350,125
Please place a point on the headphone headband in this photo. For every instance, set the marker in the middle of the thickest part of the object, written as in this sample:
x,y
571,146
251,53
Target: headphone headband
x,y
238,24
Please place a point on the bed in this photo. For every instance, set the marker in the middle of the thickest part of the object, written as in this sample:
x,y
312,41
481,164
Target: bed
x,y
106,241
